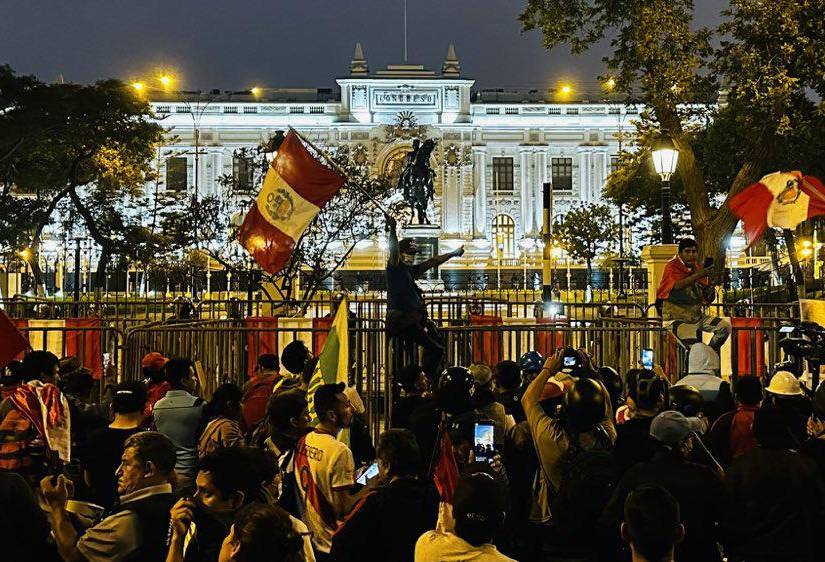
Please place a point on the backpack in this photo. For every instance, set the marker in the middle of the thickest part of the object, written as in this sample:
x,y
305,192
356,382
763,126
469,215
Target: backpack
x,y
589,477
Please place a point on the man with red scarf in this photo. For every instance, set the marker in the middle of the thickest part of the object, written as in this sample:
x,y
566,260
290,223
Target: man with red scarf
x,y
685,288
35,420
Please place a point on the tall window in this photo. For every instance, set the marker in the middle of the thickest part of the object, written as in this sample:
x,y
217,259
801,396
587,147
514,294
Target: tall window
x,y
242,171
504,236
176,177
562,170
502,174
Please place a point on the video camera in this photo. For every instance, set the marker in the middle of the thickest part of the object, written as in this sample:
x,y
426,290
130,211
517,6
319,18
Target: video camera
x,y
803,341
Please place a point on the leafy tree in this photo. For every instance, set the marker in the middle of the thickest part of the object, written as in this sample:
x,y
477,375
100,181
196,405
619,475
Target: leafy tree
x,y
587,231
89,145
765,56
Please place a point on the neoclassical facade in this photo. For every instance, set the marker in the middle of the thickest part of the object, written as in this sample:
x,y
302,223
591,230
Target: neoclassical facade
x,y
495,149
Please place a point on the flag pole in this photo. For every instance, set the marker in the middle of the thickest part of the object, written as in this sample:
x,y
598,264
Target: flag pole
x,y
334,165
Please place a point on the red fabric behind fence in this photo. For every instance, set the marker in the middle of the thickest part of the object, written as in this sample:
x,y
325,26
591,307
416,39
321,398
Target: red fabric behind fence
x,y
670,360
10,339
320,338
88,348
547,341
744,340
486,345
259,342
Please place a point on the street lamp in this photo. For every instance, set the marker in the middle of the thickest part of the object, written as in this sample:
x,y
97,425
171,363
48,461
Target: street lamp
x,y
665,157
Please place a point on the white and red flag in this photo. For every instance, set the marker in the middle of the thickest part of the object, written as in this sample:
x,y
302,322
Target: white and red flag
x,y
778,200
295,189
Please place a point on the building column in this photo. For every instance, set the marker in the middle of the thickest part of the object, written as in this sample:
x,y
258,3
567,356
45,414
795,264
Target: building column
x,y
585,175
539,179
479,191
526,218
450,201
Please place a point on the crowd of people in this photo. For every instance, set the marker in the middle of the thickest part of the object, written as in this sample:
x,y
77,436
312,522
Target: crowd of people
x,y
587,464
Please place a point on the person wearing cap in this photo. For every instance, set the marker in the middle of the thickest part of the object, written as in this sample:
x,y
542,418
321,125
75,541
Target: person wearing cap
x,y
697,488
484,399
104,447
785,392
479,511
153,364
777,496
406,312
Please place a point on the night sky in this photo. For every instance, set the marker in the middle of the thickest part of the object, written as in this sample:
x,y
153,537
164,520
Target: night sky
x,y
234,44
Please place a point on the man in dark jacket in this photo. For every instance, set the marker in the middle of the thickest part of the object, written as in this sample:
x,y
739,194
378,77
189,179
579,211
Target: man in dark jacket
x,y
136,529
633,441
776,495
697,488
386,523
406,313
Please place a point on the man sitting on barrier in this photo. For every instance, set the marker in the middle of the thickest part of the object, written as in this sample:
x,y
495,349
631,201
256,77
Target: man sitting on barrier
x,y
685,288
406,313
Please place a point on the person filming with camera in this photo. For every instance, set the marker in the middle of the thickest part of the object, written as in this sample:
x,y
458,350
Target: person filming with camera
x,y
684,290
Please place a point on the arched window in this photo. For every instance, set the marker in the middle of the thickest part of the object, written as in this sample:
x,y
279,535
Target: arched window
x,y
504,236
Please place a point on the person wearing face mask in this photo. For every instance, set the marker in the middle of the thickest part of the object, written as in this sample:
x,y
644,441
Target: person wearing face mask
x,y
406,313
386,523
226,481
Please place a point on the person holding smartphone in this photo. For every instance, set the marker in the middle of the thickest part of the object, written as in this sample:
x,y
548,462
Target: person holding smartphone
x,y
386,523
684,290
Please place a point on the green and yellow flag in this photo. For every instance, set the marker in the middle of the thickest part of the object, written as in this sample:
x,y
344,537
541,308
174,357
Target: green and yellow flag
x,y
333,363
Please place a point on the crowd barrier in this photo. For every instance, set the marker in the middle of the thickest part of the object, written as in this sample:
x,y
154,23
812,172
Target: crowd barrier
x,y
227,349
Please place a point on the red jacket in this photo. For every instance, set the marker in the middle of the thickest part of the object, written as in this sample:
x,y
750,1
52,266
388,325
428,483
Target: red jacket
x,y
675,271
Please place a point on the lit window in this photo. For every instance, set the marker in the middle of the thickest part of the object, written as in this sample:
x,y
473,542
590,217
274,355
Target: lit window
x,y
504,236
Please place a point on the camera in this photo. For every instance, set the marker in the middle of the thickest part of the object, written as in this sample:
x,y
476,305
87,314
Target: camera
x,y
803,342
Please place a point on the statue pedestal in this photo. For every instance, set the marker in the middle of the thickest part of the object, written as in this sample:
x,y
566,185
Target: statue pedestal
x,y
426,237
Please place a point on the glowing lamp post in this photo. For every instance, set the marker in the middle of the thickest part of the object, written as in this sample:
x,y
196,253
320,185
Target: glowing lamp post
x,y
665,158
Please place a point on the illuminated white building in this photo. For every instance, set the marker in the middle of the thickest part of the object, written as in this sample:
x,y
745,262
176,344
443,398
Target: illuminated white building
x,y
496,148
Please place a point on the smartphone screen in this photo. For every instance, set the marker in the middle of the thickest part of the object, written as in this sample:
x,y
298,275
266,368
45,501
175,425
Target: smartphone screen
x,y
647,358
786,329
484,442
371,472
569,361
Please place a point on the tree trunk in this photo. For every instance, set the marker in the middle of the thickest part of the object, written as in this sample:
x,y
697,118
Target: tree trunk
x,y
102,266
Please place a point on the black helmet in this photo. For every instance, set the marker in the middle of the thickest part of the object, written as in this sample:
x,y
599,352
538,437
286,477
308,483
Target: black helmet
x,y
584,405
531,362
613,383
686,399
455,390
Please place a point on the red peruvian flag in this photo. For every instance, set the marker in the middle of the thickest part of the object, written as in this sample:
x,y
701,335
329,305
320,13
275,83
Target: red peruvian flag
x,y
445,471
778,200
295,189
12,341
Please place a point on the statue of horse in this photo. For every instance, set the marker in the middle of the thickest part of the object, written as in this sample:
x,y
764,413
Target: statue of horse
x,y
417,179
